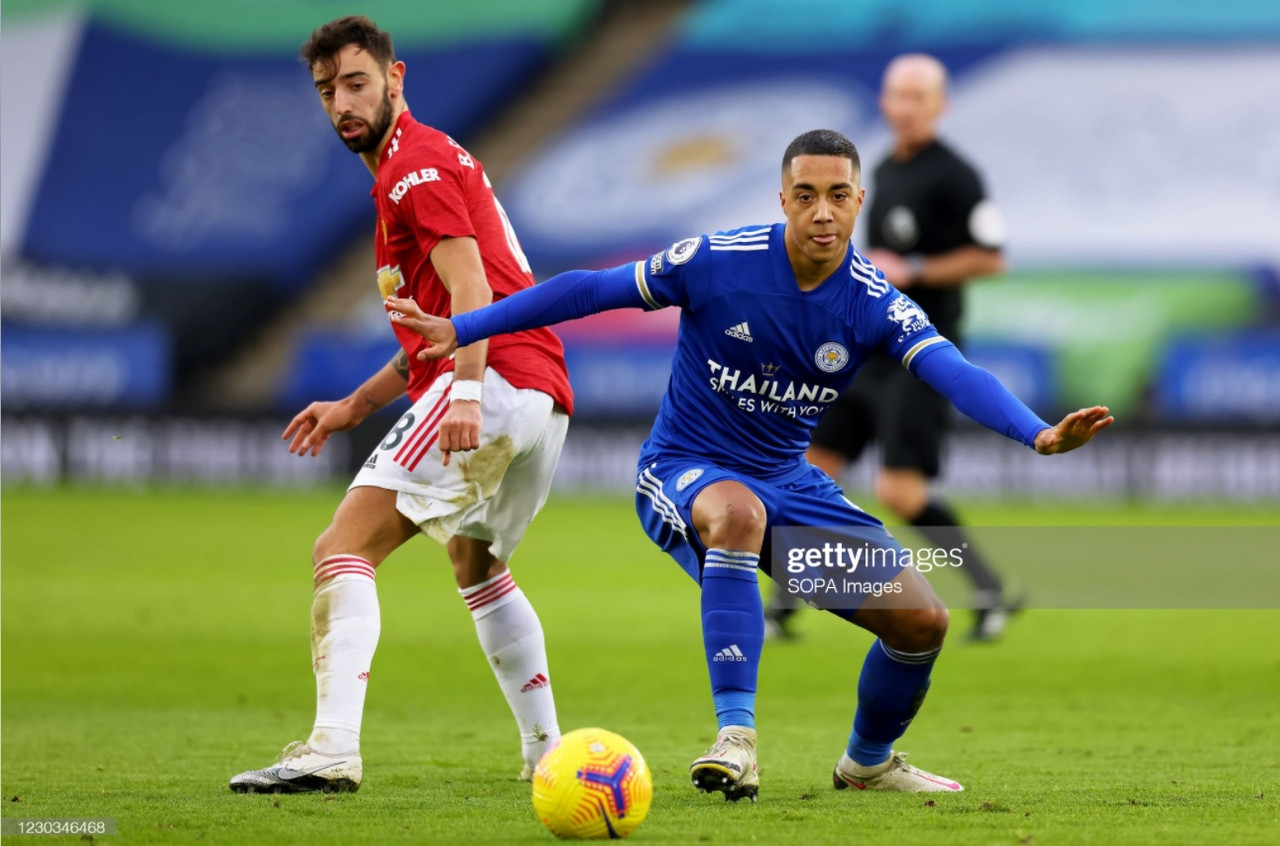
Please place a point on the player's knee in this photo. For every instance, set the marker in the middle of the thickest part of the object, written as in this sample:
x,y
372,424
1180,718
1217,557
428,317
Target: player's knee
x,y
919,629
889,492
738,523
472,561
905,497
827,460
333,541
323,546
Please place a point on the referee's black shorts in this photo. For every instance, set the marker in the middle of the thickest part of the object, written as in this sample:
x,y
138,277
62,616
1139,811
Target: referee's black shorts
x,y
886,403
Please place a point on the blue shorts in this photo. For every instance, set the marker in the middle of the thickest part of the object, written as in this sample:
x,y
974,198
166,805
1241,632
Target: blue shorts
x,y
666,489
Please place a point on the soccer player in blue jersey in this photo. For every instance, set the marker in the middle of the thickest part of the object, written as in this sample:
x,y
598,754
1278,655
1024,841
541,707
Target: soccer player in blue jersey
x,y
775,321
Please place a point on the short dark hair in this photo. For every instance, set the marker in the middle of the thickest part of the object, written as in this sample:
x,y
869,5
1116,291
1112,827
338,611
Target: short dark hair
x,y
822,142
325,43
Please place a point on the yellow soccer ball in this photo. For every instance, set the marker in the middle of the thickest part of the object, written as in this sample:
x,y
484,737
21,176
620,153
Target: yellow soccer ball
x,y
593,784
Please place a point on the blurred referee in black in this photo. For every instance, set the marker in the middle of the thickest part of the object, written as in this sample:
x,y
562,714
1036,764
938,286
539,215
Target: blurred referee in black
x,y
931,230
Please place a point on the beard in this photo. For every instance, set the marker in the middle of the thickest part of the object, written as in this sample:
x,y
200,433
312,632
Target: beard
x,y
368,140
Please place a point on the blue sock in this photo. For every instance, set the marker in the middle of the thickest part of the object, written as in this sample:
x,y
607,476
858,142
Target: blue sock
x,y
890,691
732,632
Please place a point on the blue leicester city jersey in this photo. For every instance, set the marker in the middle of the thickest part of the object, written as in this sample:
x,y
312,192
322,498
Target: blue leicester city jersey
x,y
758,360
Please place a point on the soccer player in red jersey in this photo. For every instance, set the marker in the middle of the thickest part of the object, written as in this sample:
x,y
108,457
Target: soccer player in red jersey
x,y
470,464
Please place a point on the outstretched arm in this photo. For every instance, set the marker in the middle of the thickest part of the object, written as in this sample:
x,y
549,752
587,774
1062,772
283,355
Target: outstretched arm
x,y
576,293
982,396
311,428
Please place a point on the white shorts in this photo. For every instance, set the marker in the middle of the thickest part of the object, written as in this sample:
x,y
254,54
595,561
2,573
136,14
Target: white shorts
x,y
491,493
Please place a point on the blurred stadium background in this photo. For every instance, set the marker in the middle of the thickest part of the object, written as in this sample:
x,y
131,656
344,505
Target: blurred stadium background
x,y
187,261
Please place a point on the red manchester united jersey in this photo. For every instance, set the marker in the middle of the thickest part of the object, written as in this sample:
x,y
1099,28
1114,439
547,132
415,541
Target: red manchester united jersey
x,y
428,189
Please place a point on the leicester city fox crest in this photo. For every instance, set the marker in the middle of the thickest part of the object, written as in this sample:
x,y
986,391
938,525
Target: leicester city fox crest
x,y
831,357
907,315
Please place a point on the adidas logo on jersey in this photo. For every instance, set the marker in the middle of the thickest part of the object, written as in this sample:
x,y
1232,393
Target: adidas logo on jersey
x,y
534,683
742,332
730,653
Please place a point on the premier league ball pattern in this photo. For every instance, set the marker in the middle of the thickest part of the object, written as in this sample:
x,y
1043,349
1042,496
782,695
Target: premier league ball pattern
x,y
592,785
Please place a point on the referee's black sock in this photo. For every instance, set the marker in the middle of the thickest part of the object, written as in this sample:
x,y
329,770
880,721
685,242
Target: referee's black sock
x,y
938,523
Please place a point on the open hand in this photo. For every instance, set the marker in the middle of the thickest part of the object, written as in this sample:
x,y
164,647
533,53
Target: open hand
x,y
438,331
312,426
1075,430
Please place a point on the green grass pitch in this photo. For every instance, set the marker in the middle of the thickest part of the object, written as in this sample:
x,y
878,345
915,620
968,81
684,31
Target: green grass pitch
x,y
154,644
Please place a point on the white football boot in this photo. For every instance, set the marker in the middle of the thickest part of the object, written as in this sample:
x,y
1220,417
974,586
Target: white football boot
x,y
729,766
894,774
301,769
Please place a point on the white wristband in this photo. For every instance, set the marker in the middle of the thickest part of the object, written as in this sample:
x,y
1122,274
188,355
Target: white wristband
x,y
466,390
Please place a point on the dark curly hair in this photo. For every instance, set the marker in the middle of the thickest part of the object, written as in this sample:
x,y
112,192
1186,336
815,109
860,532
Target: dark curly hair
x,y
325,43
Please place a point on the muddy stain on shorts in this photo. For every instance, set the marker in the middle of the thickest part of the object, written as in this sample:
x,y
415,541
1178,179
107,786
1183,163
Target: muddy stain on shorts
x,y
485,468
